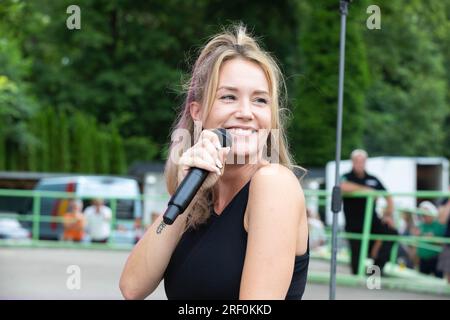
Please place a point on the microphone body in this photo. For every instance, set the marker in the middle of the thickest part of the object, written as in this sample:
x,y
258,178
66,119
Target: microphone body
x,y
184,194
190,185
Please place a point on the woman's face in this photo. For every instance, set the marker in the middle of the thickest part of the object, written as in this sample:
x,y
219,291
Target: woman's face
x,y
242,105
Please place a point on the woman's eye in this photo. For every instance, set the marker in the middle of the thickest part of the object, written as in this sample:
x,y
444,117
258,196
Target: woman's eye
x,y
261,100
228,97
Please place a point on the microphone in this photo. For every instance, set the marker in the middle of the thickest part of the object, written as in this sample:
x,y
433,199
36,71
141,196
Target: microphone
x,y
188,188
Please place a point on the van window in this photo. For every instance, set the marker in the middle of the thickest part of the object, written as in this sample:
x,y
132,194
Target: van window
x,y
48,205
55,207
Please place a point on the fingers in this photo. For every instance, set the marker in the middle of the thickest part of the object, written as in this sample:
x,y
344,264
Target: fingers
x,y
212,151
211,136
203,161
208,147
206,154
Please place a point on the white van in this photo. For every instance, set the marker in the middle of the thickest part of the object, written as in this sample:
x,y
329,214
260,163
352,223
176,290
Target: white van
x,y
128,208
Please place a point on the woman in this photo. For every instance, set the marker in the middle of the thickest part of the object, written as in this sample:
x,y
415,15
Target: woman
x,y
245,235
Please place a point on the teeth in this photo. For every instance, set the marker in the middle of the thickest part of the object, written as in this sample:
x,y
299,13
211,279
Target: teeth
x,y
242,132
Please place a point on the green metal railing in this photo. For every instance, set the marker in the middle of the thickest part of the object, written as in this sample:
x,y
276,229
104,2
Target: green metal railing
x,y
420,283
36,217
366,235
432,243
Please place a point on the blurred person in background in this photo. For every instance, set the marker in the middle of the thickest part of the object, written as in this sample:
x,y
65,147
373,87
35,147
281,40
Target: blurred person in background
x,y
317,236
139,229
358,180
444,257
98,218
407,255
429,227
74,222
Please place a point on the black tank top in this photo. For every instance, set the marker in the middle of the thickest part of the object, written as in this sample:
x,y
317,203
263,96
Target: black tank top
x,y
208,261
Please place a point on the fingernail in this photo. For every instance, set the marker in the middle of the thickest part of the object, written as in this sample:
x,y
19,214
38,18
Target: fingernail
x,y
219,164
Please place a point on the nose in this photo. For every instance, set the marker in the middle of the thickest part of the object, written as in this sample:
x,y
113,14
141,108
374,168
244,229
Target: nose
x,y
245,110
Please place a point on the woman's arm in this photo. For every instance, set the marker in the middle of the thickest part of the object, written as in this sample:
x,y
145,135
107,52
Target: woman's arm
x,y
148,261
275,208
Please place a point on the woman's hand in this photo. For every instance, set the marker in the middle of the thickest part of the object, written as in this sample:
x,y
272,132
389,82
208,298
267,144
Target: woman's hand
x,y
206,154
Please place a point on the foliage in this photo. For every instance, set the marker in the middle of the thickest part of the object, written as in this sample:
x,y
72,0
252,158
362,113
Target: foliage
x,y
99,98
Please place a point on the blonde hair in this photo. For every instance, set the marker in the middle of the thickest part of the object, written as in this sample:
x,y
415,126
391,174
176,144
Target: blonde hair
x,y
230,44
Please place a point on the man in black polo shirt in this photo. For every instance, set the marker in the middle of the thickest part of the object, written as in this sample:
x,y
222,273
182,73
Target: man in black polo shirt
x,y
354,209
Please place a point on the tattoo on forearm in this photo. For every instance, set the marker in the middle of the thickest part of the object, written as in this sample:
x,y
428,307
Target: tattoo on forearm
x,y
160,228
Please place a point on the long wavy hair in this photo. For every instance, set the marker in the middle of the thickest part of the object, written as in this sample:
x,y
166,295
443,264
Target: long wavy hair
x,y
232,43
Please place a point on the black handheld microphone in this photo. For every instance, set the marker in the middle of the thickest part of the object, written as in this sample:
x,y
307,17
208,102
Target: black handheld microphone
x,y
190,184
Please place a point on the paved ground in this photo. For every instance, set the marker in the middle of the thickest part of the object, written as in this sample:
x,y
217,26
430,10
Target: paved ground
x,y
43,274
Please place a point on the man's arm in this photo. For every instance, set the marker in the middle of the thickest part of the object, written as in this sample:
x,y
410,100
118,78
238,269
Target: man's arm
x,y
389,210
347,186
86,220
388,214
107,214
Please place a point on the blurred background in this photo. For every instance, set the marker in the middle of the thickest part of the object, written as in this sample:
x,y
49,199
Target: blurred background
x,y
86,113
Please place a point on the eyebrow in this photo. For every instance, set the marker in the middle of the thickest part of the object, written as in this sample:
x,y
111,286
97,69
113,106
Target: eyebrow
x,y
236,89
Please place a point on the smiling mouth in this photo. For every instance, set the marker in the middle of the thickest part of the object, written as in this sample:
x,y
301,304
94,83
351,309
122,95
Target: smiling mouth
x,y
241,131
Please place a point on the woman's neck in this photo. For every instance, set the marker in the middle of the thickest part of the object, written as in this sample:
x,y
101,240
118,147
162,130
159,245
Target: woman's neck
x,y
235,176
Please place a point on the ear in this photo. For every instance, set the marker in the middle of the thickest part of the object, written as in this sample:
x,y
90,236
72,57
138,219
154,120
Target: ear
x,y
195,110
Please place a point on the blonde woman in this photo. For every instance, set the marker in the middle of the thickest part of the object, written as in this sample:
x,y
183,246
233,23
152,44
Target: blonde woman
x,y
245,234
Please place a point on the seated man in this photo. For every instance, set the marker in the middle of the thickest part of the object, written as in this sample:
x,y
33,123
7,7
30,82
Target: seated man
x,y
430,227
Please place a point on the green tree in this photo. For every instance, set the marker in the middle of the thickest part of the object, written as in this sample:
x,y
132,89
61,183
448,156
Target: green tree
x,y
434,17
17,104
103,159
407,99
126,63
140,149
100,98
117,152
312,129
63,155
123,65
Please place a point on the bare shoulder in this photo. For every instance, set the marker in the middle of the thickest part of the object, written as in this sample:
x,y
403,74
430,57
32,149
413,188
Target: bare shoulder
x,y
272,176
274,190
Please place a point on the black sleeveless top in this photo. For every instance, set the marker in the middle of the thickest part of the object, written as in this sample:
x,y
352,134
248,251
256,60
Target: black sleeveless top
x,y
207,262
